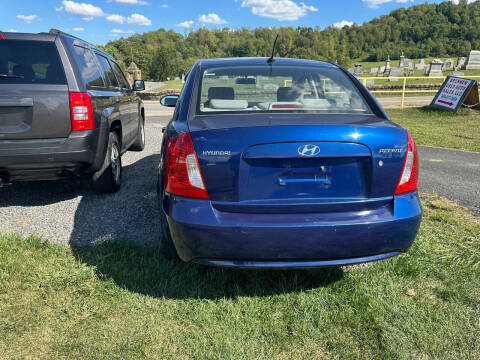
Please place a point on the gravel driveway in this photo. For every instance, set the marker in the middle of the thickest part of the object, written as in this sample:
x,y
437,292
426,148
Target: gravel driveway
x,y
63,212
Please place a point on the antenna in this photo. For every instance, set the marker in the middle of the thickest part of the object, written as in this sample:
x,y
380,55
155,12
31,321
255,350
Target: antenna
x,y
271,60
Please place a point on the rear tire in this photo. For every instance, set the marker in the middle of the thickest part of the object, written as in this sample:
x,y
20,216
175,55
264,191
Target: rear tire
x,y
139,143
109,178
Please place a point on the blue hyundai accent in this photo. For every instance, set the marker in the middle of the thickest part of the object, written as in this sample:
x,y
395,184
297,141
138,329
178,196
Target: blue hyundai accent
x,y
284,163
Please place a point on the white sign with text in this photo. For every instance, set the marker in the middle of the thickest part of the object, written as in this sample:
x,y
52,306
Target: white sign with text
x,y
452,93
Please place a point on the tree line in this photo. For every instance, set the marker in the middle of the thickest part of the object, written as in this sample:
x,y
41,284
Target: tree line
x,y
438,30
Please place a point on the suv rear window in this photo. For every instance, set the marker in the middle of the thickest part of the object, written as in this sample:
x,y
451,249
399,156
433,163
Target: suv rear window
x,y
30,62
280,88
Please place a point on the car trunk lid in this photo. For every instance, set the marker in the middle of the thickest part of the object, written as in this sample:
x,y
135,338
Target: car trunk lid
x,y
272,168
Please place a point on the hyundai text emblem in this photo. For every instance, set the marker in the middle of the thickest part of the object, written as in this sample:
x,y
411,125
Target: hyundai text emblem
x,y
308,150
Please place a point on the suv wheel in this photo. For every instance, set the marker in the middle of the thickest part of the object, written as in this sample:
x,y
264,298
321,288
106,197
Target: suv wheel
x,y
109,178
139,143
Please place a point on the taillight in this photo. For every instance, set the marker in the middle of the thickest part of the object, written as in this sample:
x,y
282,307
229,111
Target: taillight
x,y
182,172
81,111
2,37
409,179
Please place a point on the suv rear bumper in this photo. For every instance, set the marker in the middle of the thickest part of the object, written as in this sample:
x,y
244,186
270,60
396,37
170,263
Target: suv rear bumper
x,y
205,235
40,159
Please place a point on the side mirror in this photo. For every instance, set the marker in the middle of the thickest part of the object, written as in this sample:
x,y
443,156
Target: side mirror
x,y
139,85
169,100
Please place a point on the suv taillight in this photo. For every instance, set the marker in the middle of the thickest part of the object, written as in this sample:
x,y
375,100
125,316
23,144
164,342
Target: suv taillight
x,y
409,179
182,172
81,111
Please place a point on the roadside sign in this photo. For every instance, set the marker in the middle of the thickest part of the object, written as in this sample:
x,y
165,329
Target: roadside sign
x,y
455,92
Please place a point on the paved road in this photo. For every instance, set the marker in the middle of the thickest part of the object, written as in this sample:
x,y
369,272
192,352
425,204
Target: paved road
x,y
452,174
63,212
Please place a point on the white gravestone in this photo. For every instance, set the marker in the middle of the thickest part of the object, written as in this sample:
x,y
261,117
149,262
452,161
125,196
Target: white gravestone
x,y
435,68
473,61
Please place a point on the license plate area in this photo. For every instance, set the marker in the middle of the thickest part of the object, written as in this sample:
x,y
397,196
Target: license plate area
x,y
305,178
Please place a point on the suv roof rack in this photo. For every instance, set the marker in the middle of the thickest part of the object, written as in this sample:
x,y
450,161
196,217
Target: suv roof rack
x,y
58,32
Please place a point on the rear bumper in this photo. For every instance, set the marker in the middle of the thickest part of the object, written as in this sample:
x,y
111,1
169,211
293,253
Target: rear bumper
x,y
300,264
205,235
52,158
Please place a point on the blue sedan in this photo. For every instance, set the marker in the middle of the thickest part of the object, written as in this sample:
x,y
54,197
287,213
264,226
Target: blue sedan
x,y
284,163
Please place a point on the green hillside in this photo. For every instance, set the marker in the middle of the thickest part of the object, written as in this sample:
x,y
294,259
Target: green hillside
x,y
427,30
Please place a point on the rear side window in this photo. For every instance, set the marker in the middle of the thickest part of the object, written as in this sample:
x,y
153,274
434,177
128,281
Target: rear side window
x,y
88,67
109,75
120,77
30,62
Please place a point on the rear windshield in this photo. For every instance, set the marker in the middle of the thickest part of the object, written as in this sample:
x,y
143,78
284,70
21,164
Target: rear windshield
x,y
30,62
278,89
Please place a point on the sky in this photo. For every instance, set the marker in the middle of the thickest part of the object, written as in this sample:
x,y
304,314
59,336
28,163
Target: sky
x,y
99,21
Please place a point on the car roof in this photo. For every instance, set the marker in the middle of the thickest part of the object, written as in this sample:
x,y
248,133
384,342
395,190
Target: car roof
x,y
238,61
51,36
28,36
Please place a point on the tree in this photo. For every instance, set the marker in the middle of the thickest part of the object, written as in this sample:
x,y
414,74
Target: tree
x,y
424,30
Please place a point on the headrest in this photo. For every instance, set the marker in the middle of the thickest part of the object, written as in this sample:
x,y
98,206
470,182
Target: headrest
x,y
221,92
287,94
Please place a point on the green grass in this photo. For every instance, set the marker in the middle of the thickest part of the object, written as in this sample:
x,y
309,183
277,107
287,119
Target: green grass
x,y
440,128
170,84
121,301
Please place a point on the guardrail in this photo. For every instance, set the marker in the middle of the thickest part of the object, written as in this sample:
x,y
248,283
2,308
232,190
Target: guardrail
x,y
404,86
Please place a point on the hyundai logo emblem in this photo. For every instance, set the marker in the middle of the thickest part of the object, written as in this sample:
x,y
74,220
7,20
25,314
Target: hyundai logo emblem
x,y
308,150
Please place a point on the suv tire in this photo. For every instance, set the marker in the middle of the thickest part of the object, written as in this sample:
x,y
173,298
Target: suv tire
x,y
109,178
139,143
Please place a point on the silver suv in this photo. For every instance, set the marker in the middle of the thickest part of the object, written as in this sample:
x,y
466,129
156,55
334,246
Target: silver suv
x,y
66,110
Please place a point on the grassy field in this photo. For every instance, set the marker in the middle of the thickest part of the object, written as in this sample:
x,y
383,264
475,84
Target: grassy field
x,y
171,84
440,128
125,302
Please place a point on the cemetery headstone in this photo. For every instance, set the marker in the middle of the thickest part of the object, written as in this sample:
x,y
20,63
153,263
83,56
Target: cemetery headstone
x,y
397,72
387,63
473,61
421,65
448,64
435,68
402,61
373,70
357,69
427,69
408,64
461,62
